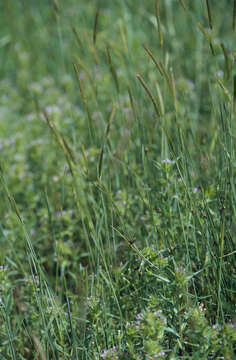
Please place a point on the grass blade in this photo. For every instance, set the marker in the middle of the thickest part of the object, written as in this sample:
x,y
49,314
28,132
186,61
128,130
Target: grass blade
x,y
105,140
83,98
234,14
226,56
112,69
234,96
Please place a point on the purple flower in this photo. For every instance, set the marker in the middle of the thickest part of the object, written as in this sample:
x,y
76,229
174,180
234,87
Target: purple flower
x,y
190,84
139,316
109,352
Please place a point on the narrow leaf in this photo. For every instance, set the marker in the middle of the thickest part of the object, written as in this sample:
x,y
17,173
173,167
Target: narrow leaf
x,y
234,14
112,69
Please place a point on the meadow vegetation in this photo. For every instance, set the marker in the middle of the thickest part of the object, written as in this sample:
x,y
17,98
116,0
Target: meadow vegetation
x,y
118,179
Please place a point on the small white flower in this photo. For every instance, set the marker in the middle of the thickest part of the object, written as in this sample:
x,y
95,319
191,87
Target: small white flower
x,y
220,73
167,161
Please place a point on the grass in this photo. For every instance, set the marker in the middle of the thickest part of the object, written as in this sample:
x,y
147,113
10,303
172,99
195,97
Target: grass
x,y
118,167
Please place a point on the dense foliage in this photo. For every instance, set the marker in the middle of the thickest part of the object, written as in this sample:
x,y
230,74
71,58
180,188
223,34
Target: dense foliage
x,y
118,190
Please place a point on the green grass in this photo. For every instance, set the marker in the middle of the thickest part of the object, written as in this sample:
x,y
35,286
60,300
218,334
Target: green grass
x,y
118,191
